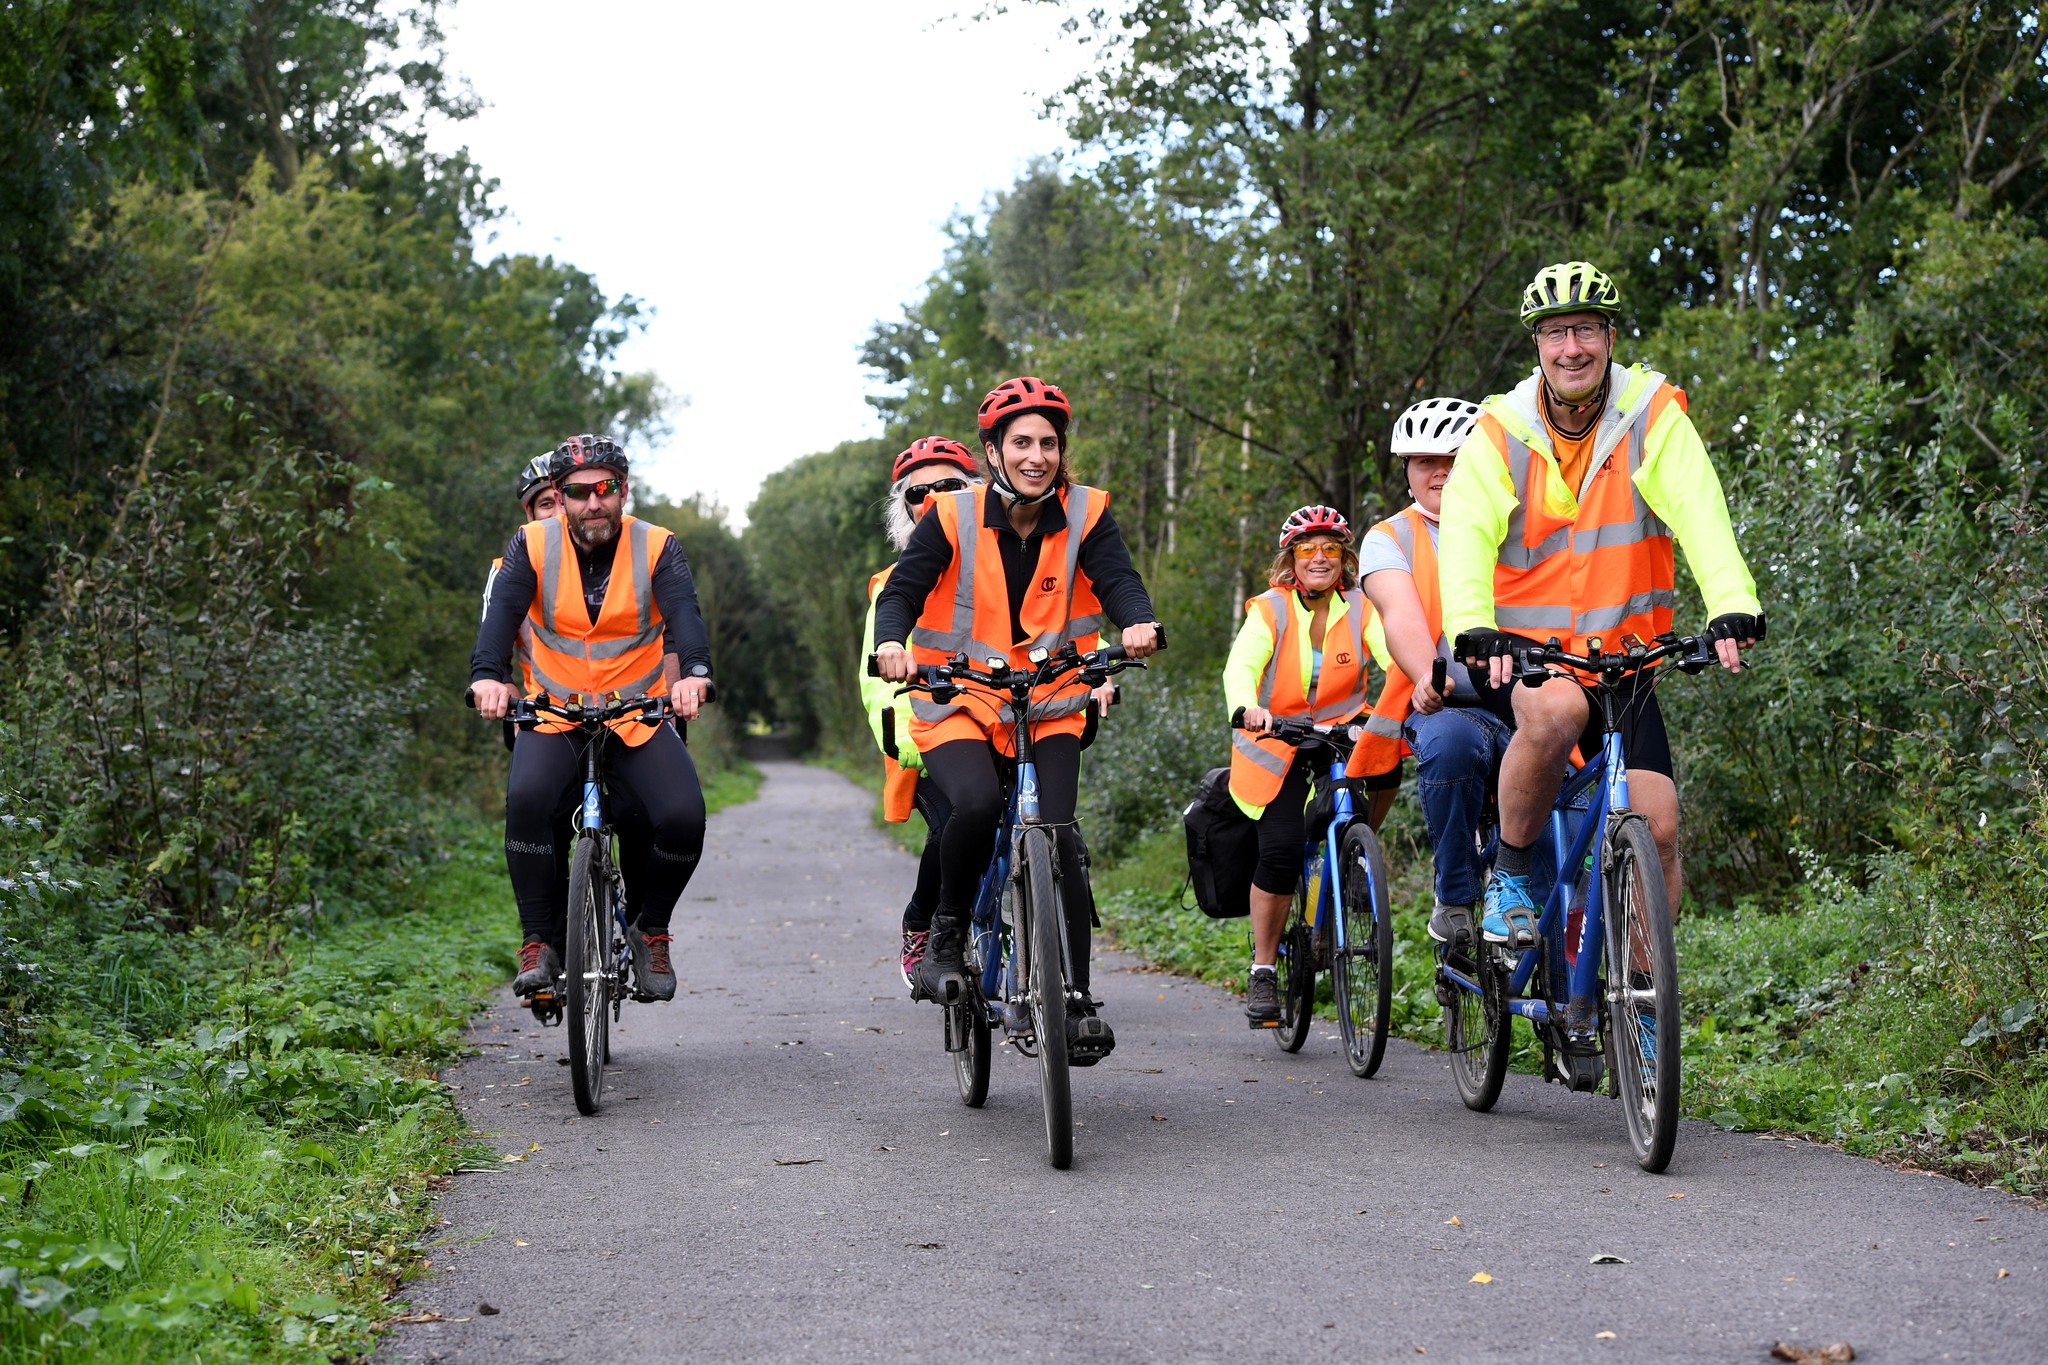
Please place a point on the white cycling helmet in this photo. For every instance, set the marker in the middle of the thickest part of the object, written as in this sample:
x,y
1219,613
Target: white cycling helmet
x,y
1435,426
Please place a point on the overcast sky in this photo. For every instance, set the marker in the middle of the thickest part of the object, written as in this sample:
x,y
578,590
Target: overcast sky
x,y
771,179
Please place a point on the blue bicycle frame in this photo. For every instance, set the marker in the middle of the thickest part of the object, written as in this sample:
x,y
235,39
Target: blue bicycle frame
x,y
1324,878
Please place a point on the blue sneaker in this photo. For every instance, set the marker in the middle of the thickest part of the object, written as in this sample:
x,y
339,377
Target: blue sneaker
x,y
1510,911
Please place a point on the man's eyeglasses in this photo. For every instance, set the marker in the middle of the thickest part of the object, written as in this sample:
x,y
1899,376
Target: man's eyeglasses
x,y
1586,332
1327,549
915,495
603,488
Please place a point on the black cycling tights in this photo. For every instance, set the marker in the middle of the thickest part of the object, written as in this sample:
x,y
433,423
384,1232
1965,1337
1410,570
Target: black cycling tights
x,y
966,771
924,897
653,786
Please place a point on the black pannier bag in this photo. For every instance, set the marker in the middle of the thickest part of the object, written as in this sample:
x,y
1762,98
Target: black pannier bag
x,y
1223,848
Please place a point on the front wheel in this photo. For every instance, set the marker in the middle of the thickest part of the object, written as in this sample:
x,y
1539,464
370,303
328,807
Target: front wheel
x,y
588,973
1045,985
1642,990
1364,965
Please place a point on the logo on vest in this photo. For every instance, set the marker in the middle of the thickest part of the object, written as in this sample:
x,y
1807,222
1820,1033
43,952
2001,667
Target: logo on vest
x,y
1345,657
1048,583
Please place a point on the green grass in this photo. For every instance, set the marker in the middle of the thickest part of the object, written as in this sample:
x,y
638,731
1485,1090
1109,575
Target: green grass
x,y
215,1155
1898,1020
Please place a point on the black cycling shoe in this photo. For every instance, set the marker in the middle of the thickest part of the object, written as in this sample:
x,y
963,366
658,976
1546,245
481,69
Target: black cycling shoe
x,y
1262,1000
1089,1037
539,965
941,974
654,976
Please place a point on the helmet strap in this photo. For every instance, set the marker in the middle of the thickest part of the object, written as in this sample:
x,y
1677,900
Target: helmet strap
x,y
1000,477
1596,404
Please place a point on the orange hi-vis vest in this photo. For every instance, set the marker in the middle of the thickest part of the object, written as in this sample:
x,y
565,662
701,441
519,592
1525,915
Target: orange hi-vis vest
x,y
1604,567
522,648
968,613
621,651
899,784
1380,749
1259,763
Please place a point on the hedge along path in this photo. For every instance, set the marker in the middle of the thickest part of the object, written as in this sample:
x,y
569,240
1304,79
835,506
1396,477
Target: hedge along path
x,y
784,1170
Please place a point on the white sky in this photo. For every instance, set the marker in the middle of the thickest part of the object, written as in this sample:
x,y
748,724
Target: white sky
x,y
771,180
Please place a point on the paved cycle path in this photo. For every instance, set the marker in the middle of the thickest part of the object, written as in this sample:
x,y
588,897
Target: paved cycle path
x,y
1227,1202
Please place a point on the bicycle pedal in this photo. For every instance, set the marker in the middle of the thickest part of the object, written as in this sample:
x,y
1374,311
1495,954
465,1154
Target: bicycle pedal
x,y
1257,1024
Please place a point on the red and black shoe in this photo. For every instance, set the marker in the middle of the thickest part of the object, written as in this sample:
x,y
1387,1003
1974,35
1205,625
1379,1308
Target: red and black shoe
x,y
654,976
539,966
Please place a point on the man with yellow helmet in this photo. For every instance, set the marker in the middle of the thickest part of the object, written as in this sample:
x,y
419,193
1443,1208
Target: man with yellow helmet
x,y
1560,519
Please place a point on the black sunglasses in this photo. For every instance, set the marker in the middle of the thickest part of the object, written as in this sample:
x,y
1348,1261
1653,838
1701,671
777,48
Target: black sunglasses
x,y
915,494
603,488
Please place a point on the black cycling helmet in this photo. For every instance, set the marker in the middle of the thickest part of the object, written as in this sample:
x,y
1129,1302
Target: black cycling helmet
x,y
600,452
539,472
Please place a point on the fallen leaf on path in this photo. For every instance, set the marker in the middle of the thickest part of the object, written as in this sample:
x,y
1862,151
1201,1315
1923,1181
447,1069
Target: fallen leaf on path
x,y
1603,1336
885,1149
1674,1196
420,1317
1159,1118
925,1246
523,1080
1481,1278
1834,1353
1452,1222
487,1310
515,1156
796,1160
1981,1218
516,1242
1606,1258
2003,1272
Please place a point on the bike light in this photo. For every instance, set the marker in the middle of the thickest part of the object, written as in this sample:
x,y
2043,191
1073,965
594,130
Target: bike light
x,y
1037,656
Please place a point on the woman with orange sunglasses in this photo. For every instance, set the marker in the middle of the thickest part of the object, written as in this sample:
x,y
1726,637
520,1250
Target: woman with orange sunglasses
x,y
1301,652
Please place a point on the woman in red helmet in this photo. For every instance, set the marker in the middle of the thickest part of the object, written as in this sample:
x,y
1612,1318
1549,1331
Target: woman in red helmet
x,y
1031,559
1300,652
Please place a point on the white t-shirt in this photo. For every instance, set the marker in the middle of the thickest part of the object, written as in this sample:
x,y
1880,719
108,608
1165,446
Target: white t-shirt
x,y
1379,550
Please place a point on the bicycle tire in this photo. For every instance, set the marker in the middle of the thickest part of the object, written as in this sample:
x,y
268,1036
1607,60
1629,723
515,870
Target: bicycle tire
x,y
971,1063
1363,970
587,1007
1479,1034
1646,1049
1046,987
1297,971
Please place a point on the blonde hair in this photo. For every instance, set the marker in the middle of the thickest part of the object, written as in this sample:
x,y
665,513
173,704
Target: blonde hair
x,y
1281,574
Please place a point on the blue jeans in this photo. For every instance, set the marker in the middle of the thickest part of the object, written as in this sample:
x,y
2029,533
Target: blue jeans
x,y
1457,759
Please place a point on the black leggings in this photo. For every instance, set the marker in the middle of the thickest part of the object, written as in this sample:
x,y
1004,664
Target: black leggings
x,y
966,772
653,790
924,897
1282,827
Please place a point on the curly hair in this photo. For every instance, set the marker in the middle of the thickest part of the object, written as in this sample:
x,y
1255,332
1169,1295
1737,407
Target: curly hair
x,y
1281,574
898,520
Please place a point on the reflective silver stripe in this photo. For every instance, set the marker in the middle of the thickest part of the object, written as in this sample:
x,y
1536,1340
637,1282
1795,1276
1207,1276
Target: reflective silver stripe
x,y
595,650
1283,622
960,639
932,712
1617,533
1403,532
1051,709
1276,764
640,687
1533,618
550,568
1384,726
1607,618
643,589
554,687
1513,553
1077,500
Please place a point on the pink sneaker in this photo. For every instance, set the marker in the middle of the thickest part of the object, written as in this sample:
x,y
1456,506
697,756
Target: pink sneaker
x,y
913,952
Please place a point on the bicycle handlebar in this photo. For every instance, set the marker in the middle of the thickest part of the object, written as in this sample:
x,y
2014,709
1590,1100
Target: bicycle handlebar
x,y
528,712
1301,730
1536,664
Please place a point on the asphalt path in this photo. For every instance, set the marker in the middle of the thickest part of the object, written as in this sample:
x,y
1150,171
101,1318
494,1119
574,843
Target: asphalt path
x,y
783,1171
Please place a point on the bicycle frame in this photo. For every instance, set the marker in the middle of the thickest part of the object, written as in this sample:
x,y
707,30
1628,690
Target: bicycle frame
x,y
1323,913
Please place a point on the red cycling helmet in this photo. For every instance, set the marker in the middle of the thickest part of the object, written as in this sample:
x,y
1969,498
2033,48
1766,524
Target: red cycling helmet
x,y
599,452
1015,397
926,449
1315,519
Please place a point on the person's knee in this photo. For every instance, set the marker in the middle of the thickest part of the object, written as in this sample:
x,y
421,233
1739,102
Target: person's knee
x,y
1655,797
1551,716
1448,747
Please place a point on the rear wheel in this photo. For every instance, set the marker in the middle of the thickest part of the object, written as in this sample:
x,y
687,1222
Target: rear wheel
x,y
1297,971
1363,969
1478,1029
1642,990
971,1063
1046,987
588,971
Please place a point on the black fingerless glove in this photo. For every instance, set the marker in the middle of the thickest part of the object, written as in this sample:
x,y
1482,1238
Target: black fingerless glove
x,y
1736,625
1477,646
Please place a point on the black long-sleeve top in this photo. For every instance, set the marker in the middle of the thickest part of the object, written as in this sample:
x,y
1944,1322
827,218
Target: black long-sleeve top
x,y
1104,558
509,597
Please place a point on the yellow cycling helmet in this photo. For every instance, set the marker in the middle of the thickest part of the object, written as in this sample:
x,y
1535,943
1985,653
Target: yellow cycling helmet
x,y
1570,287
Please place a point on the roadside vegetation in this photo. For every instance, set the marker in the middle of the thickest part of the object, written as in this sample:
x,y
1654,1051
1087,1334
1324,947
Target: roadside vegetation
x,y
1829,226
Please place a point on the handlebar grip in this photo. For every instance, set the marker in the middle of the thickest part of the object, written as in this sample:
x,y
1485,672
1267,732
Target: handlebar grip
x,y
1159,629
1110,654
889,731
469,697
874,665
1237,719
1439,674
